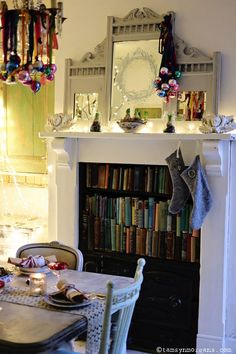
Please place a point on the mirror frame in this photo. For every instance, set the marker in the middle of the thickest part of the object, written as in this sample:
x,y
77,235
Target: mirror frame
x,y
93,73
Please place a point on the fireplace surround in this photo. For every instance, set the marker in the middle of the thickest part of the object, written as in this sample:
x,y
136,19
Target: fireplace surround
x,y
217,306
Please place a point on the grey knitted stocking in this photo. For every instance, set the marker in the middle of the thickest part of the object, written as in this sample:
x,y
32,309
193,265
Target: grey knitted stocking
x,y
181,192
195,178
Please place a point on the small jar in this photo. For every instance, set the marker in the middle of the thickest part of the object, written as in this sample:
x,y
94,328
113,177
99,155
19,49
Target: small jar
x,y
37,284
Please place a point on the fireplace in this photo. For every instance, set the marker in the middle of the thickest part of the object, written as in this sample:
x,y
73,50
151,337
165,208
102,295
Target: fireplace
x,y
217,305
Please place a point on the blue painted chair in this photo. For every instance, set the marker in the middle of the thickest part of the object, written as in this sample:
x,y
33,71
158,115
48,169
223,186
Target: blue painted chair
x,y
121,301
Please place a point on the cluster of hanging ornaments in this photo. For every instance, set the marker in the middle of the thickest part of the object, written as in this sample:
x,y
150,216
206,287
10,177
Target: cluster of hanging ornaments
x,y
166,84
29,35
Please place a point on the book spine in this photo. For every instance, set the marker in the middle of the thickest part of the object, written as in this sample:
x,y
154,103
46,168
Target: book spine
x,y
150,212
128,241
138,241
143,242
146,211
140,221
148,251
170,245
97,232
184,246
118,228
124,236
113,234
128,211
155,243
107,234
132,239
84,235
90,232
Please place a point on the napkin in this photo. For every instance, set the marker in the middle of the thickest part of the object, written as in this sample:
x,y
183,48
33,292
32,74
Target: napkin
x,y
32,261
69,291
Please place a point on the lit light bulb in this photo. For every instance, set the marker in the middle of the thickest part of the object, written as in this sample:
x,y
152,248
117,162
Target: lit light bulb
x,y
50,168
191,126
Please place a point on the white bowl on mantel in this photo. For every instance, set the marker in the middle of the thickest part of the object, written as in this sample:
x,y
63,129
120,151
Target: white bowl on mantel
x,y
131,126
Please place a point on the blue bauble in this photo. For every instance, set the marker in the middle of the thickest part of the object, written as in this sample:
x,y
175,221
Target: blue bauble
x,y
162,93
10,66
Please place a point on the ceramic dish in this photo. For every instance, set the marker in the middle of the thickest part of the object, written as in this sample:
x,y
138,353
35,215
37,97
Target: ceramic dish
x,y
131,126
67,305
28,271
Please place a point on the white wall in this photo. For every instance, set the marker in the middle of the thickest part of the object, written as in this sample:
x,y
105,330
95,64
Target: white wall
x,y
208,25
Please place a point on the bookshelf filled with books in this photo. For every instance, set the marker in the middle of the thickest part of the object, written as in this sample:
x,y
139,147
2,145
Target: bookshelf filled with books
x,y
123,215
124,209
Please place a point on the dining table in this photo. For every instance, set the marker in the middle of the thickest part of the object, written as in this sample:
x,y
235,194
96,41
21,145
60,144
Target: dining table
x,y
32,324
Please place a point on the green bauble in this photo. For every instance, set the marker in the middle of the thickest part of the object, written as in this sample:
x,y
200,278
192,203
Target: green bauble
x,y
177,74
47,71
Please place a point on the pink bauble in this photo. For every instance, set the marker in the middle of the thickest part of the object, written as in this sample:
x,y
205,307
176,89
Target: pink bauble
x,y
158,79
23,75
176,87
35,86
165,87
164,70
53,68
50,77
172,94
27,82
172,82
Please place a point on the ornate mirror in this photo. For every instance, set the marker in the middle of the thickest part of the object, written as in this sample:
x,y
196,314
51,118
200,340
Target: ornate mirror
x,y
135,66
121,70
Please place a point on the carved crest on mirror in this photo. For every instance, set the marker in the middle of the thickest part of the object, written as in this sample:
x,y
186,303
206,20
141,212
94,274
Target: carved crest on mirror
x,y
94,73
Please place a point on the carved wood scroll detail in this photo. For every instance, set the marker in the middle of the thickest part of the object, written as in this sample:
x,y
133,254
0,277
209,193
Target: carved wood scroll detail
x,y
144,13
96,57
185,52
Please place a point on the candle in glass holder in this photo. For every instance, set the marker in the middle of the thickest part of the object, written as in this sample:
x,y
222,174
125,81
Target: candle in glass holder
x,y
37,284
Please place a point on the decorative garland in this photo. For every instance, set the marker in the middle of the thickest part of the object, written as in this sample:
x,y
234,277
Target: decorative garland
x,y
166,84
38,30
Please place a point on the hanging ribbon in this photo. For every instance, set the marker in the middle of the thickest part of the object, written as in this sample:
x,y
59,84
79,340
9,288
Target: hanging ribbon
x,y
166,84
5,31
39,24
52,27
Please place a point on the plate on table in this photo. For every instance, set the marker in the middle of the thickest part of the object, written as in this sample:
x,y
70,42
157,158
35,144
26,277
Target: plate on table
x,y
6,278
28,271
66,304
59,298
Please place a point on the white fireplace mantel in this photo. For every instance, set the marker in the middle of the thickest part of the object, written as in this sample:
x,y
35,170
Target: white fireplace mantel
x,y
217,303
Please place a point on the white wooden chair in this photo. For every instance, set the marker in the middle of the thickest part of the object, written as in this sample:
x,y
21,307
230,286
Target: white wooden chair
x,y
73,257
121,301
